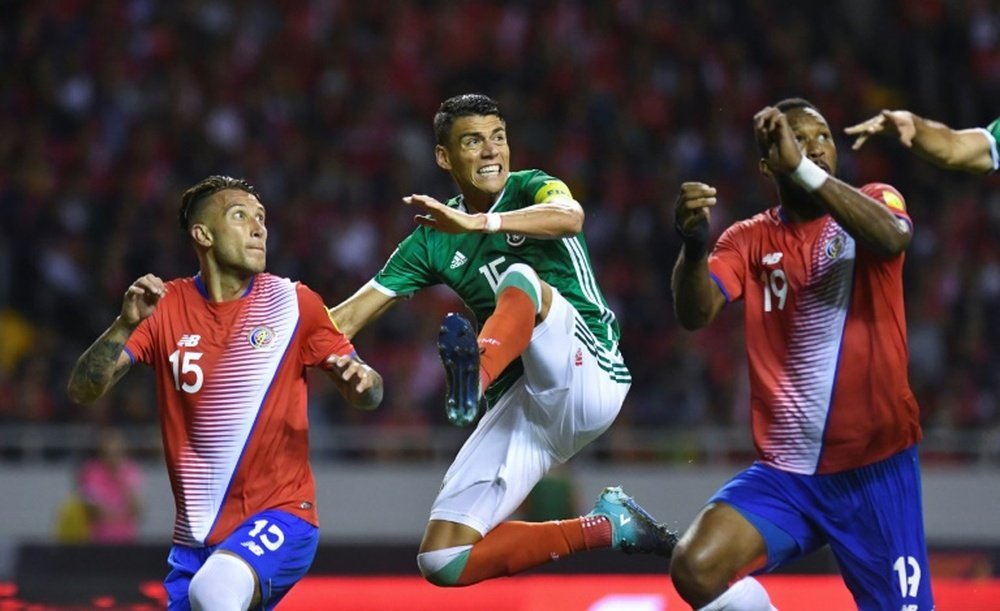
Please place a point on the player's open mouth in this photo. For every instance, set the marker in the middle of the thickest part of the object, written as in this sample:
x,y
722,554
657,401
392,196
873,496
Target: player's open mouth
x,y
489,170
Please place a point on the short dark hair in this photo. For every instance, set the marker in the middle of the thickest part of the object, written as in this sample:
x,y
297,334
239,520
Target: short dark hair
x,y
784,106
465,105
194,197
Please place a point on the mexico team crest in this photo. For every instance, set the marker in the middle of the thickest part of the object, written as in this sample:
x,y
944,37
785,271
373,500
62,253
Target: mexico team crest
x,y
261,337
515,239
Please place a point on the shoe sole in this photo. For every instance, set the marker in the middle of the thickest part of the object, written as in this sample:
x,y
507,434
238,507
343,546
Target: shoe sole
x,y
459,352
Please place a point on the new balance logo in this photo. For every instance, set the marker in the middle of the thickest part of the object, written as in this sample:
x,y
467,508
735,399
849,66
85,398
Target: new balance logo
x,y
188,340
771,258
458,260
623,519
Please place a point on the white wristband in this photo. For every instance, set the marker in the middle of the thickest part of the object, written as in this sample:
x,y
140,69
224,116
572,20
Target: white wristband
x,y
808,175
492,223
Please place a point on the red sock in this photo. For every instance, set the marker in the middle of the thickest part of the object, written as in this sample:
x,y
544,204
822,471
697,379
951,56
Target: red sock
x,y
506,333
513,547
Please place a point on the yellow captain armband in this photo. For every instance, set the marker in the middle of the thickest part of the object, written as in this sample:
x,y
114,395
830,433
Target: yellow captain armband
x,y
552,190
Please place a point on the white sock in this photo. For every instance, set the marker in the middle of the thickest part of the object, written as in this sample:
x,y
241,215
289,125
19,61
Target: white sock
x,y
223,583
745,595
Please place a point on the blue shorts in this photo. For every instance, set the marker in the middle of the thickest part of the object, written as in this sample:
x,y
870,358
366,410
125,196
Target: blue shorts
x,y
872,518
279,546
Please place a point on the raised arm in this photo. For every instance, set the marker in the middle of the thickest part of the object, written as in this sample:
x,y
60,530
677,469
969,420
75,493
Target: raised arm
x,y
105,362
969,150
559,218
697,298
866,219
361,308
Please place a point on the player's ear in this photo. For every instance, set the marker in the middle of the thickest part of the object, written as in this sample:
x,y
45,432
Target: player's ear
x,y
201,235
441,156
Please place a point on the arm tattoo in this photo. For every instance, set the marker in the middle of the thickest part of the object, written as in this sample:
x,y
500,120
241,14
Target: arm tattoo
x,y
96,370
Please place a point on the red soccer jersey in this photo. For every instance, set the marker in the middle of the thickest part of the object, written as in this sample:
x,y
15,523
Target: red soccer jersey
x,y
231,384
825,339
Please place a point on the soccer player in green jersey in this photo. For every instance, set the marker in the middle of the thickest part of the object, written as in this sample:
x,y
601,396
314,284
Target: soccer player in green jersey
x,y
971,150
546,356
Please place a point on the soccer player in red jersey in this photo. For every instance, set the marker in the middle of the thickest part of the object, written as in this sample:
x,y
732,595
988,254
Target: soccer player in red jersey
x,y
970,150
230,347
834,421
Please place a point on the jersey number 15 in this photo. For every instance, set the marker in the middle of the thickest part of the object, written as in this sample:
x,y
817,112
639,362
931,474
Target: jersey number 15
x,y
183,364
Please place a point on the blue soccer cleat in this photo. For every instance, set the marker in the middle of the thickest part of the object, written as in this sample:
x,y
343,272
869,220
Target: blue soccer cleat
x,y
633,530
459,351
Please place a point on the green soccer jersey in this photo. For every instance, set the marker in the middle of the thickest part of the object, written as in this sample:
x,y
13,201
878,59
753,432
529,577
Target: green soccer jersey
x,y
471,264
994,130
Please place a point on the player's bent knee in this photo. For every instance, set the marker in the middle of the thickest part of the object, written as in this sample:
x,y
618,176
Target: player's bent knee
x,y
443,567
523,277
223,583
696,576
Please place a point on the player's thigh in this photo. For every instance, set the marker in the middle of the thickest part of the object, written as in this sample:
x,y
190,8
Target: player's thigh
x,y
278,546
496,468
576,389
877,535
720,545
780,507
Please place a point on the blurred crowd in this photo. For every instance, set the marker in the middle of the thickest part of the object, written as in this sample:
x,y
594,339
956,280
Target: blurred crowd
x,y
109,110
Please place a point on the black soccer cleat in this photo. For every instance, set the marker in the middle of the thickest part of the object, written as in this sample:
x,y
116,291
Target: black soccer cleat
x,y
459,351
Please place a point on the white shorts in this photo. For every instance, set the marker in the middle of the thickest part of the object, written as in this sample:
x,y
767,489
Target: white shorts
x,y
564,400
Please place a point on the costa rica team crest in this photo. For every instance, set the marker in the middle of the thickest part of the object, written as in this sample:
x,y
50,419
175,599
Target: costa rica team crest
x,y
261,337
835,246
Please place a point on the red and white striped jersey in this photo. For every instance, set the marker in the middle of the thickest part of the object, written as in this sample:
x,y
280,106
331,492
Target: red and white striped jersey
x,y
231,384
825,340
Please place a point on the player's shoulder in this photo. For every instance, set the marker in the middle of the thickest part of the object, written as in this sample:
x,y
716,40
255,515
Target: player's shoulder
x,y
742,233
182,288
762,221
266,280
530,179
537,186
885,193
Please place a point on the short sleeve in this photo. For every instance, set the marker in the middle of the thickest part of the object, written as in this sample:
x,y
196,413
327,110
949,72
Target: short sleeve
x,y
406,271
139,346
888,195
320,338
728,262
548,189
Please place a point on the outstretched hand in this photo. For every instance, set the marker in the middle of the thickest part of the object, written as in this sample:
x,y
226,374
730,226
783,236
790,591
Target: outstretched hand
x,y
141,299
771,126
888,122
439,216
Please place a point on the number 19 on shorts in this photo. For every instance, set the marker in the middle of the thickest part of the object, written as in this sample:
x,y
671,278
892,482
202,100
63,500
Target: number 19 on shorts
x,y
907,569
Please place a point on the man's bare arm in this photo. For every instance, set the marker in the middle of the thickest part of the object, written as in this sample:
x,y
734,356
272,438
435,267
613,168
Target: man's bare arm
x,y
968,150
101,365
